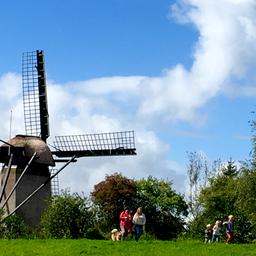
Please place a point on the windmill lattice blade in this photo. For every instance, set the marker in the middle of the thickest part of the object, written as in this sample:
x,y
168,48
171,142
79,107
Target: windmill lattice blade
x,y
102,144
34,94
30,94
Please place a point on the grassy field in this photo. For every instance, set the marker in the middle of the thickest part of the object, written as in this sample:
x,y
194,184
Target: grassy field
x,y
94,247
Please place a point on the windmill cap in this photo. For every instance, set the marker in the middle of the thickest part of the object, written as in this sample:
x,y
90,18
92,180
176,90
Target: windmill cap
x,y
31,145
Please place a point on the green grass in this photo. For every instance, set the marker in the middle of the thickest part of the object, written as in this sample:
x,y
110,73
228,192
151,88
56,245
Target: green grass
x,y
52,247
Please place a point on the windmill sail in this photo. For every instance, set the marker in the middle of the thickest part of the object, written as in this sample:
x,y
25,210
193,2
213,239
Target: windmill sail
x,y
101,144
28,158
34,94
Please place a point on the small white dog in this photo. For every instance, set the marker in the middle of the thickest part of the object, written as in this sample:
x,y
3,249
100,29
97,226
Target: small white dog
x,y
116,235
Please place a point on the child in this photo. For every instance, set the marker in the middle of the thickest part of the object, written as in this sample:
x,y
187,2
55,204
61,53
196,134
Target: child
x,y
208,234
229,225
216,231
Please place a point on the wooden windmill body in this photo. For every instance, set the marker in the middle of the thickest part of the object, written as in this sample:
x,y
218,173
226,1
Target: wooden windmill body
x,y
25,176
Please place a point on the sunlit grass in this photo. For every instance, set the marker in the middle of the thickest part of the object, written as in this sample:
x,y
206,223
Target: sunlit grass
x,y
63,247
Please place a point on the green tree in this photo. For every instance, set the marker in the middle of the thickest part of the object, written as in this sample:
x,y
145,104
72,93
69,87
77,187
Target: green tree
x,y
253,140
67,216
110,197
231,169
217,201
246,201
229,193
164,208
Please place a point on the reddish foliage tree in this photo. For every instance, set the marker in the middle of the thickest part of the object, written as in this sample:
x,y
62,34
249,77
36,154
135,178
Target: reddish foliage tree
x,y
112,195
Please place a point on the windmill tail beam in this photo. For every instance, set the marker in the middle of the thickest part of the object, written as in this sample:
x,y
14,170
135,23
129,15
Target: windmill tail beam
x,y
6,177
63,160
5,142
38,189
18,181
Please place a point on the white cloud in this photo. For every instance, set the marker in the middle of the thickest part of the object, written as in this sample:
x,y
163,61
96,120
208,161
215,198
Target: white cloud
x,y
226,46
76,111
10,84
224,51
11,105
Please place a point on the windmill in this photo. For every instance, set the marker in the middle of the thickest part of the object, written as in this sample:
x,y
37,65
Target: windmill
x,y
25,176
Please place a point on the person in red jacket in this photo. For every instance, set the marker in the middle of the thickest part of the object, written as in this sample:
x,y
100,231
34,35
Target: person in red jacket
x,y
125,223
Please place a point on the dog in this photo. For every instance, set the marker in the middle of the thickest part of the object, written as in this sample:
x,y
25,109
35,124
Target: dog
x,y
116,235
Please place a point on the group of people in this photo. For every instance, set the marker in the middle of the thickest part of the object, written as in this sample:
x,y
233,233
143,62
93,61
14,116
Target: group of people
x,y
129,223
212,234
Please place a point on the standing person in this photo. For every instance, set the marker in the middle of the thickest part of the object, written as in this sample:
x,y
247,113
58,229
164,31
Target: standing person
x,y
216,231
125,223
128,223
139,220
208,234
229,226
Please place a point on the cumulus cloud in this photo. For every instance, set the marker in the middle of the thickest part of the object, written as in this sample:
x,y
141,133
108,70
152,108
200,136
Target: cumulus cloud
x,y
225,49
80,111
11,105
223,56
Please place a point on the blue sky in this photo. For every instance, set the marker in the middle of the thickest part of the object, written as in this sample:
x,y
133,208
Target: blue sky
x,y
179,73
95,38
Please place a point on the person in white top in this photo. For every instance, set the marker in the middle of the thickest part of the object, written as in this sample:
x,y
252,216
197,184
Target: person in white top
x,y
216,231
139,220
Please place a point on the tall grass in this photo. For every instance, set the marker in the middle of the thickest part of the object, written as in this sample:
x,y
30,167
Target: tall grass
x,y
63,247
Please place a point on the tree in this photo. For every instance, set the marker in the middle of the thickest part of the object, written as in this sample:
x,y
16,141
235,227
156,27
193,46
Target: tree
x,y
110,197
67,216
231,169
246,201
164,208
216,201
253,140
229,193
198,174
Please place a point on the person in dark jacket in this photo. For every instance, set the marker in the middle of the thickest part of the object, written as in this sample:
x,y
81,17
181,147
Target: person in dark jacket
x,y
208,234
229,226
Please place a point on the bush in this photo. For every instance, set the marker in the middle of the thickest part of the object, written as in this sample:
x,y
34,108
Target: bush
x,y
14,227
67,216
